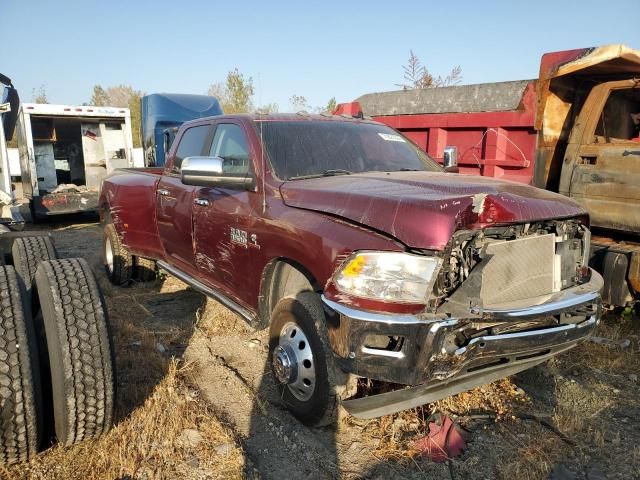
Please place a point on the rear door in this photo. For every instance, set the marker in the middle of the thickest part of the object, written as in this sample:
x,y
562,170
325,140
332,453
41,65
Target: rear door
x,y
174,200
95,163
602,165
115,145
27,159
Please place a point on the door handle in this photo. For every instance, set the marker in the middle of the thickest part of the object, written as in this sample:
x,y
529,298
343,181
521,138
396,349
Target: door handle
x,y
163,192
203,202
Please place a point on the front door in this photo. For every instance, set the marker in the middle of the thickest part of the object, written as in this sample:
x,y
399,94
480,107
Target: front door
x,y
224,240
175,200
602,165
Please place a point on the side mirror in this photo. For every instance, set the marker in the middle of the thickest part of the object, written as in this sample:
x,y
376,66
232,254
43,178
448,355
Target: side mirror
x,y
209,172
450,159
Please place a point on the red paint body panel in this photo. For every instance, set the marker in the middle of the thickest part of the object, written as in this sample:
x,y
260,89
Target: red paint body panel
x,y
424,209
313,223
129,198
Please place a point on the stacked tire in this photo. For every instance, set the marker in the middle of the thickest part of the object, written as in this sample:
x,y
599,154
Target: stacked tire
x,y
20,387
56,355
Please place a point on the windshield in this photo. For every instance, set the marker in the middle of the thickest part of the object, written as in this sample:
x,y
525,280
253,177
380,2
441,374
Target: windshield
x,y
305,149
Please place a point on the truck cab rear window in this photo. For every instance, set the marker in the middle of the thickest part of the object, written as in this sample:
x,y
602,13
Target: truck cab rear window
x,y
191,144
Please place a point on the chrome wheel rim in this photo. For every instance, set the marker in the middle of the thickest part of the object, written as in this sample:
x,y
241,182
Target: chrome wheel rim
x,y
108,254
293,362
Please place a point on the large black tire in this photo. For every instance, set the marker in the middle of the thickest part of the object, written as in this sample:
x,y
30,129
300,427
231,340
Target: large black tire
x,y
20,394
117,259
79,349
330,384
27,253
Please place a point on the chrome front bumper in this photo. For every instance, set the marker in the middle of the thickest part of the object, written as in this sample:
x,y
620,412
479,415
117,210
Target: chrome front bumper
x,y
428,353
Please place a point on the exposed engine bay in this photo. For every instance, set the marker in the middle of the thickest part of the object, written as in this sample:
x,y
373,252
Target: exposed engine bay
x,y
499,265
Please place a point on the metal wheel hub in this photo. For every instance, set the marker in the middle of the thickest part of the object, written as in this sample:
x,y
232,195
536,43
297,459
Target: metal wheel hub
x,y
293,362
284,359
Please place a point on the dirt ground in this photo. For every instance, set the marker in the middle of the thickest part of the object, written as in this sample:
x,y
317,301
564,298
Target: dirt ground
x,y
195,401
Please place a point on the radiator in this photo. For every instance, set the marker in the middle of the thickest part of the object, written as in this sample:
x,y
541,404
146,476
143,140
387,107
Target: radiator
x,y
519,269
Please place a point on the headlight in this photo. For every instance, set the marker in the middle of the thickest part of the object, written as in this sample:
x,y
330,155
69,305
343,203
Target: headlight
x,y
388,276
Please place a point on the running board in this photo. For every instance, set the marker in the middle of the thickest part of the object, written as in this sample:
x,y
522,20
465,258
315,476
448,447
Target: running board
x,y
208,291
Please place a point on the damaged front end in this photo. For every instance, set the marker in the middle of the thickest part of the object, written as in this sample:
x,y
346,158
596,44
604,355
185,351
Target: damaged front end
x,y
506,299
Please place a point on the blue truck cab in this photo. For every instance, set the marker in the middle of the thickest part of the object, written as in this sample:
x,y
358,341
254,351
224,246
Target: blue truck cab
x,y
163,113
8,94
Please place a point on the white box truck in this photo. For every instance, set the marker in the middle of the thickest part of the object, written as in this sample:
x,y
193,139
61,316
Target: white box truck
x,y
66,151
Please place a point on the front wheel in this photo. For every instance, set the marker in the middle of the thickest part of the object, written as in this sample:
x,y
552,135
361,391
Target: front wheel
x,y
310,385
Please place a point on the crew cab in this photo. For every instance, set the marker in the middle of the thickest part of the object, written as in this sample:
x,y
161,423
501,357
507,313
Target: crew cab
x,y
362,256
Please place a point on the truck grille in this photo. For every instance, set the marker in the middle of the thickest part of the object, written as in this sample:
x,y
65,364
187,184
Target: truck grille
x,y
518,269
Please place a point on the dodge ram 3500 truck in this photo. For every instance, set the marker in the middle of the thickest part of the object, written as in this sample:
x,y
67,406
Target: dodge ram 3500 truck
x,y
362,256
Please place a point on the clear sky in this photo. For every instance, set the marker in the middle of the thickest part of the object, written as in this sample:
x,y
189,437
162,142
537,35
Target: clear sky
x,y
315,49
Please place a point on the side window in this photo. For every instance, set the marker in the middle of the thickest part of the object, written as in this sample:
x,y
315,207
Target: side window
x,y
230,144
191,144
620,117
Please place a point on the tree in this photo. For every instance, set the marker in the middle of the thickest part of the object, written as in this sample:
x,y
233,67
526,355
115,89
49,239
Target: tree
x,y
123,96
268,108
99,97
40,95
236,94
299,103
418,76
331,105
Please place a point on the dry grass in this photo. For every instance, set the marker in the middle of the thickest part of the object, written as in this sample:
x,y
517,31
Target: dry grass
x,y
155,404
607,359
533,458
393,435
147,444
215,319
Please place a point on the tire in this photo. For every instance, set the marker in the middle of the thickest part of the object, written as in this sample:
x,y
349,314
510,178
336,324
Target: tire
x,y
79,349
145,269
21,419
27,253
313,398
118,262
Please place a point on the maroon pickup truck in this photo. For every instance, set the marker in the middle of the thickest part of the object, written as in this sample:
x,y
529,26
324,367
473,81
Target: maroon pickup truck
x,y
362,256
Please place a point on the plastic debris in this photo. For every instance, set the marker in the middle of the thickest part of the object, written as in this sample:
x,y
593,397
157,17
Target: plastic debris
x,y
444,440
69,188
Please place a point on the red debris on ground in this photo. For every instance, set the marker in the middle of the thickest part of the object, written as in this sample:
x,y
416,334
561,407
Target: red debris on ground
x,y
444,440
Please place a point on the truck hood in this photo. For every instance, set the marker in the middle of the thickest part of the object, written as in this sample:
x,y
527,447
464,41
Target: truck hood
x,y
424,209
